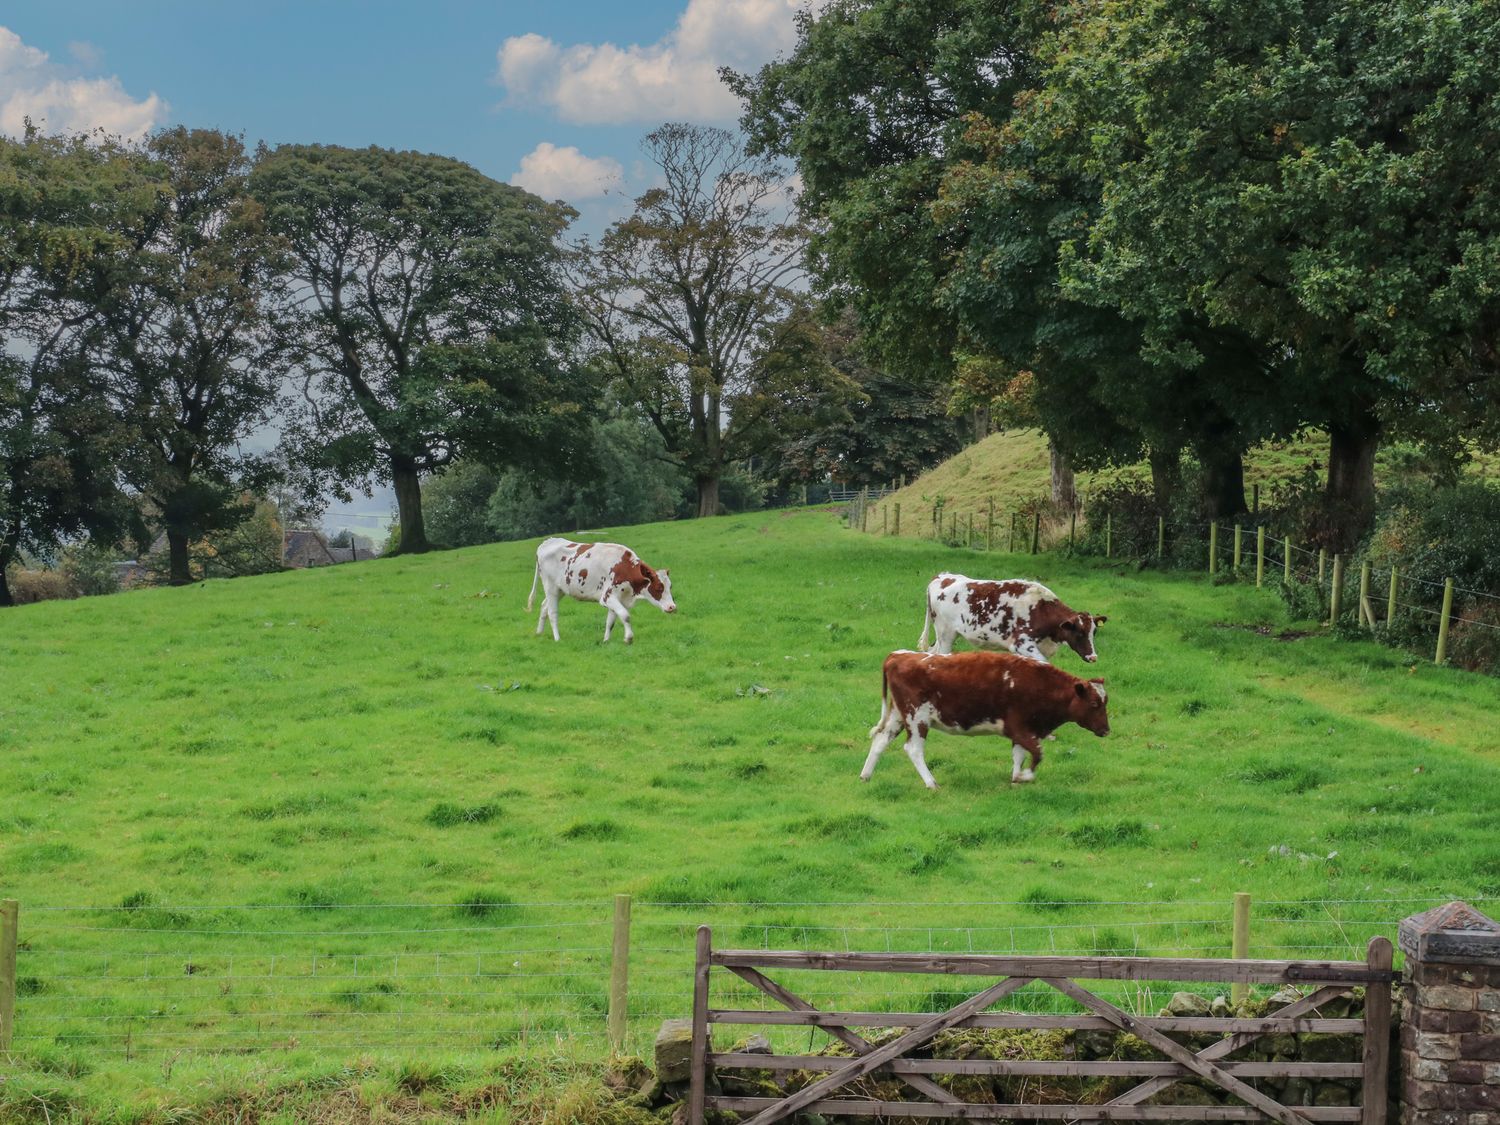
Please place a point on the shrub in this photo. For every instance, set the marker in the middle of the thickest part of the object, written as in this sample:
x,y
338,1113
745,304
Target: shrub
x,y
27,586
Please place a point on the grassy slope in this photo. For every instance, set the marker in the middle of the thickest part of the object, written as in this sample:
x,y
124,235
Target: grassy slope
x,y
290,741
1012,468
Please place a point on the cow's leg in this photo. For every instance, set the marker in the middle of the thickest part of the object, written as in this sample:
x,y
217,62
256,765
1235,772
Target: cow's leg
x,y
553,596
1024,744
916,745
611,601
943,637
609,623
541,618
881,734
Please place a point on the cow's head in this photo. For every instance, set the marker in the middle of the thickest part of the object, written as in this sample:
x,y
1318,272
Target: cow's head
x,y
1077,632
1089,711
659,588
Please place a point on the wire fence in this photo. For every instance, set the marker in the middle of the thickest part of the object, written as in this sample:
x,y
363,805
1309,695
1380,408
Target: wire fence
x,y
1226,548
248,980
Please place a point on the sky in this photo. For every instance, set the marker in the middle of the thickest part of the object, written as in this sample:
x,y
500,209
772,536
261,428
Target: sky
x,y
552,96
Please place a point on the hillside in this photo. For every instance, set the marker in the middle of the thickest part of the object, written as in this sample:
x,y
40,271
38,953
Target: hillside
x,y
350,825
1012,468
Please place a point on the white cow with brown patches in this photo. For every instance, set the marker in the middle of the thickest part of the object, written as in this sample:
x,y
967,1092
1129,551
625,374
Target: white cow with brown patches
x,y
1024,617
607,573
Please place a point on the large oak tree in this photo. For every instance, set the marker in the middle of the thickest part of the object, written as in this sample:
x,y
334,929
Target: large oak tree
x,y
432,313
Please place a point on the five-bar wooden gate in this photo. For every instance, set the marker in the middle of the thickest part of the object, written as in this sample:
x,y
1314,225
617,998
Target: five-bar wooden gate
x,y
1326,979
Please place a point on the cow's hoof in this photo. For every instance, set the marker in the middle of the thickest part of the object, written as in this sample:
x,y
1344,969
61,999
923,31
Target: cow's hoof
x,y
630,640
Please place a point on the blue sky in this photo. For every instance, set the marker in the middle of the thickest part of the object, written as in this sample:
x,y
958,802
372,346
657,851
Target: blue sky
x,y
553,96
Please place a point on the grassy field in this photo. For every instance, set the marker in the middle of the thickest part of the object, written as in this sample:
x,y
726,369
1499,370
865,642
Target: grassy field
x,y
358,828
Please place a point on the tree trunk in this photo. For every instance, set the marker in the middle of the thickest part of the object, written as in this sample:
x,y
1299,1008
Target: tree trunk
x,y
1223,482
1165,473
1064,488
179,570
6,597
1352,441
408,485
708,496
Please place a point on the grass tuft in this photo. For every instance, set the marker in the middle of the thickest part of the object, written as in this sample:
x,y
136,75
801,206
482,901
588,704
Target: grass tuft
x,y
445,814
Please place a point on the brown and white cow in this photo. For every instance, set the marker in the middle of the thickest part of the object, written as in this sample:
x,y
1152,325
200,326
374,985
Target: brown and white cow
x,y
607,573
1024,617
980,693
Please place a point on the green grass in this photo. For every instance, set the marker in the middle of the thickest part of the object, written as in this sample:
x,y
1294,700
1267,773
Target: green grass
x,y
232,777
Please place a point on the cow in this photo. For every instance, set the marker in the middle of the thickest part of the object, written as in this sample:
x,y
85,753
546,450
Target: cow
x,y
608,573
980,693
1023,617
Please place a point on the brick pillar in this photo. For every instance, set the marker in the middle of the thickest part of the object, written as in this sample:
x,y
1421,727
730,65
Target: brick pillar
x,y
1450,1018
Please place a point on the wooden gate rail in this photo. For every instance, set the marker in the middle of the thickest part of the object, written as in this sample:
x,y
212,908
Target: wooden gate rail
x,y
1329,979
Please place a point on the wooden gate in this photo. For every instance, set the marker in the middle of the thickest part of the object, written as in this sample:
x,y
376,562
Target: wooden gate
x,y
1326,979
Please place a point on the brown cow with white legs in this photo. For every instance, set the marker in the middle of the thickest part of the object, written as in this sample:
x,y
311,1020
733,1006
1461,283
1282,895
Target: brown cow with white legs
x,y
1023,617
980,693
607,573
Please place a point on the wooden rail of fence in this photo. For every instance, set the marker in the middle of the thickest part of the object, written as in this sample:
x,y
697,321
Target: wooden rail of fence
x,y
1328,979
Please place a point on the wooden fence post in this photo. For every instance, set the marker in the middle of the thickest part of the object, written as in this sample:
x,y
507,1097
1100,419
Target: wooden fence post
x,y
1322,563
1240,947
1336,598
1260,556
1366,614
1377,1048
885,520
1239,536
989,534
697,1090
1213,547
1390,603
936,529
896,530
1255,501
1286,561
10,916
1442,648
1011,543
1161,537
1072,528
970,542
1036,532
1109,534
619,975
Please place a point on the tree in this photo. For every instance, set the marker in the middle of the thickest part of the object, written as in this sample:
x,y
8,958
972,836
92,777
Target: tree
x,y
868,428
1310,176
185,340
432,315
869,105
66,204
689,299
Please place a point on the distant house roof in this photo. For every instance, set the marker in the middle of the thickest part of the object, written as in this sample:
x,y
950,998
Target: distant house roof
x,y
304,547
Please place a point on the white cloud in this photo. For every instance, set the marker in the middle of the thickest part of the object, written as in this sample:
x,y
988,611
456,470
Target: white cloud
x,y
565,173
59,100
676,77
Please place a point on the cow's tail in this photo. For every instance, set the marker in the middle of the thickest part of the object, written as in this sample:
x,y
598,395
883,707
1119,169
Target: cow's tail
x,y
926,624
535,575
885,704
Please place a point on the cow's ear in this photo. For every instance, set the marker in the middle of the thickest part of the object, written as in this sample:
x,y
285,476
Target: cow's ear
x,y
1081,690
1101,619
1097,680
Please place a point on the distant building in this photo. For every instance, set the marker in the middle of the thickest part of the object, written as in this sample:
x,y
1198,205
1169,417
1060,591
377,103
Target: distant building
x,y
304,547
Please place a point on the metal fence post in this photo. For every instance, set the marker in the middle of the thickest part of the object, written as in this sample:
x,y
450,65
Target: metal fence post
x,y
1442,645
1240,948
10,915
619,975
